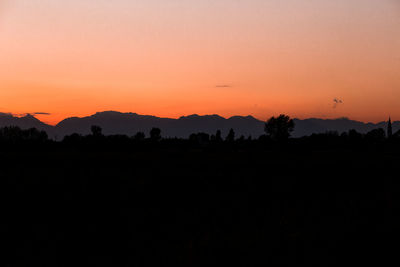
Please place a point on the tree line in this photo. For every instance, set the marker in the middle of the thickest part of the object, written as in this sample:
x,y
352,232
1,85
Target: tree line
x,y
277,130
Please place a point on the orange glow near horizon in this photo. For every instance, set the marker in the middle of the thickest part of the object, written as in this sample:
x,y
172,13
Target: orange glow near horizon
x,y
171,58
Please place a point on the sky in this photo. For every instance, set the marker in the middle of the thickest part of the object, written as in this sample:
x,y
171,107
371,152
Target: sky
x,y
172,58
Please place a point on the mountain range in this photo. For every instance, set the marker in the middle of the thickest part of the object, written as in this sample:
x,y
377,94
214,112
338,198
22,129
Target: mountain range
x,y
113,122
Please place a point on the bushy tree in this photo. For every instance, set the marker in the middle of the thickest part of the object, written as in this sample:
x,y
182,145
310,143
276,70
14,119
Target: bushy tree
x,y
279,128
96,131
139,136
155,134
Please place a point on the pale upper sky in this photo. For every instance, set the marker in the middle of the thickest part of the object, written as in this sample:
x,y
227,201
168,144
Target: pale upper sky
x,y
179,57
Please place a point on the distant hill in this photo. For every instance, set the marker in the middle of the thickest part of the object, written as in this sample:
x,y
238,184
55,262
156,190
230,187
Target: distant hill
x,y
310,126
130,123
26,122
114,122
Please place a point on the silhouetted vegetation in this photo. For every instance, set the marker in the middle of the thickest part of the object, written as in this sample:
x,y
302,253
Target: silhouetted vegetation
x,y
279,128
96,131
218,136
121,200
200,138
231,136
15,135
376,135
140,136
155,134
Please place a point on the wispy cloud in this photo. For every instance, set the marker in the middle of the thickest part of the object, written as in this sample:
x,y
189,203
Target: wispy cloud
x,y
40,113
29,113
223,86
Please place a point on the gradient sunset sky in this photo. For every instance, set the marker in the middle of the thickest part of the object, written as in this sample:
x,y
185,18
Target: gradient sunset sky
x,y
177,57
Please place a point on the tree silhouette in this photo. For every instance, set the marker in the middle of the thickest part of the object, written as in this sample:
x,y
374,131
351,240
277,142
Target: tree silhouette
x,y
213,138
96,131
33,134
218,136
155,134
139,136
200,138
279,128
376,135
73,138
397,134
231,136
15,134
354,136
11,134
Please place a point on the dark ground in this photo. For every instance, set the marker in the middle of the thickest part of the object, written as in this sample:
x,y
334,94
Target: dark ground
x,y
128,205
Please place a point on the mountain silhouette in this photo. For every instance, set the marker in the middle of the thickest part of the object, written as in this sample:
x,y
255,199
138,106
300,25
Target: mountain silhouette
x,y
130,123
113,122
313,125
25,122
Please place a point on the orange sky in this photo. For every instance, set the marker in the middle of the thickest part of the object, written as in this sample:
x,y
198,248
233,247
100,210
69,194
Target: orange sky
x,y
172,57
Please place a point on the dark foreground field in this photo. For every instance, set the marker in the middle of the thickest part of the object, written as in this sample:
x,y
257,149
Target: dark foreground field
x,y
159,204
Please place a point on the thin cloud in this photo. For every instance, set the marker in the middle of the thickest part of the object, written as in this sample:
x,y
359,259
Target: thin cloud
x,y
31,114
223,86
41,113
18,114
